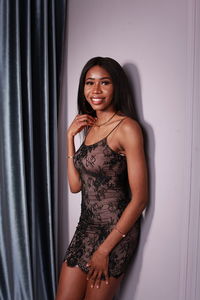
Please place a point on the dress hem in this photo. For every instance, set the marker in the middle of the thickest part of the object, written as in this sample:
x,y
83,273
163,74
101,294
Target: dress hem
x,y
84,270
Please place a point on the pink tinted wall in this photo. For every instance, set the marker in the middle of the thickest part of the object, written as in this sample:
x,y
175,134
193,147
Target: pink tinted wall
x,y
155,41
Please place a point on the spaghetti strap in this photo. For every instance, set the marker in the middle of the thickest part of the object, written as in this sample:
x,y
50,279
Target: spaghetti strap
x,y
105,137
115,127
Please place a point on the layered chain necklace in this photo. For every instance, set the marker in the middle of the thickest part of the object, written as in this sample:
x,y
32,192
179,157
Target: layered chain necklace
x,y
99,125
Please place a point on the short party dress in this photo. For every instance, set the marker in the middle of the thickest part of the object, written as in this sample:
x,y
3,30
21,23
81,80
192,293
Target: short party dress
x,y
105,195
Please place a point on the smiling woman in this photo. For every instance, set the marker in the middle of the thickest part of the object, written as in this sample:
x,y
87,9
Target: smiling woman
x,y
110,170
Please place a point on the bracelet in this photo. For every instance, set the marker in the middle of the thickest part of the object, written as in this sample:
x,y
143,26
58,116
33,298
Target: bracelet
x,y
70,156
122,234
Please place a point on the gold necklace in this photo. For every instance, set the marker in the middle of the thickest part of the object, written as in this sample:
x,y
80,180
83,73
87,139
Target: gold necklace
x,y
106,121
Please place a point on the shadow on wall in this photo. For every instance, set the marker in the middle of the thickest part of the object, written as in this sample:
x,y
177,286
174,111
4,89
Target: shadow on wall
x,y
131,280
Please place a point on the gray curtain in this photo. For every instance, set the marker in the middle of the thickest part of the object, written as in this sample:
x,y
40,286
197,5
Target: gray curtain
x,y
31,37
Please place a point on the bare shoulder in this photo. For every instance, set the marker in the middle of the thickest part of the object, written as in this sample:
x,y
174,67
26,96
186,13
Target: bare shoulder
x,y
130,133
130,126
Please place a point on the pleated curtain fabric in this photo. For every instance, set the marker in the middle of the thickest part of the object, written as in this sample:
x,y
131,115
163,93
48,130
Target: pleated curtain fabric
x,y
31,38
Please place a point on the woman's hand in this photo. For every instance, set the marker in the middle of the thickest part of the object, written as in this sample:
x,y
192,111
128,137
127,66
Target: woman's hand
x,y
80,122
98,265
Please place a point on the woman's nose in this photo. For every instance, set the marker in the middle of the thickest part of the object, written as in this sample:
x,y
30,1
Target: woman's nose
x,y
97,88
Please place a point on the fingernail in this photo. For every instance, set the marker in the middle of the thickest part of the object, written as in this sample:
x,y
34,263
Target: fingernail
x,y
86,265
92,286
97,286
106,282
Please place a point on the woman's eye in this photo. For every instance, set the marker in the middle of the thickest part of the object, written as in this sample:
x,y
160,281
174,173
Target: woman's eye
x,y
89,83
105,82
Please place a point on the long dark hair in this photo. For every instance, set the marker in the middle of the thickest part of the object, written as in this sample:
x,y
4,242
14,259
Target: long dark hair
x,y
122,98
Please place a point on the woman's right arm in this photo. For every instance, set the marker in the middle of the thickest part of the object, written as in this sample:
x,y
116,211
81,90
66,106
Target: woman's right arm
x,y
73,175
80,122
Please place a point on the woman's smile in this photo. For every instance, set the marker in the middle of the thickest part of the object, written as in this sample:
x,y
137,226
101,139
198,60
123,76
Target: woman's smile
x,y
97,100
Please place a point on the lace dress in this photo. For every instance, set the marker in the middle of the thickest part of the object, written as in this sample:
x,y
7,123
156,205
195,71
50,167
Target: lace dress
x,y
105,195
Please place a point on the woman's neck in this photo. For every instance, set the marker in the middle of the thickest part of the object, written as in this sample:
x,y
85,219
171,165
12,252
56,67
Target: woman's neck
x,y
103,116
104,121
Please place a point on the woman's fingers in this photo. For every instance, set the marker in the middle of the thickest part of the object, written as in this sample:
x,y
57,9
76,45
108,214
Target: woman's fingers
x,y
84,120
97,268
88,264
98,280
80,122
90,273
106,277
93,278
85,117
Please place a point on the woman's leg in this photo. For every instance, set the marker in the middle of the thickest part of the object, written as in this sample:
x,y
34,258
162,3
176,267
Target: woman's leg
x,y
104,292
72,283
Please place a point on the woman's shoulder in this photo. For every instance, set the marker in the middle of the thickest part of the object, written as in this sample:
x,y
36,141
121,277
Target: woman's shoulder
x,y
129,124
130,128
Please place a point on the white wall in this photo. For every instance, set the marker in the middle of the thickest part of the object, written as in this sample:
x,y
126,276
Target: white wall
x,y
155,41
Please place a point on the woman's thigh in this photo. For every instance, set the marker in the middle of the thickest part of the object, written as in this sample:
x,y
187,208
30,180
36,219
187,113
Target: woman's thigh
x,y
105,291
72,283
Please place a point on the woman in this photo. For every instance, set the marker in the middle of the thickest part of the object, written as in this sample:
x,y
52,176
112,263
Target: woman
x,y
110,170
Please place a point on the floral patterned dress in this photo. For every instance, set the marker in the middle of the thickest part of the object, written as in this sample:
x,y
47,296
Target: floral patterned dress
x,y
105,195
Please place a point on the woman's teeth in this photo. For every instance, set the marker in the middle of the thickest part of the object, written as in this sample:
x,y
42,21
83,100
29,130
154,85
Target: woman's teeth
x,y
97,100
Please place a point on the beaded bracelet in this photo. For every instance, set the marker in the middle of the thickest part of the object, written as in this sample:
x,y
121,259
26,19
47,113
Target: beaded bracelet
x,y
122,234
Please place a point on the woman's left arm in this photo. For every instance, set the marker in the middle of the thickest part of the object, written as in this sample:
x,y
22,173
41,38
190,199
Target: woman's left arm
x,y
131,140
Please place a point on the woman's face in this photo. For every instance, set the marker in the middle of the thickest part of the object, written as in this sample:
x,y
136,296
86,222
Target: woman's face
x,y
98,89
